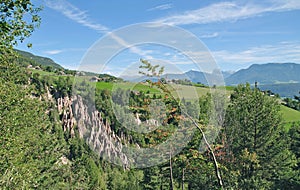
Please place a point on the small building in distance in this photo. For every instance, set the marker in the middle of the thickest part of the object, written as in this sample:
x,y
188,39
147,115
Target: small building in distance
x,y
95,79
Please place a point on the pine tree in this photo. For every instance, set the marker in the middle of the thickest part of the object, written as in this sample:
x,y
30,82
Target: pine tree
x,y
294,133
258,148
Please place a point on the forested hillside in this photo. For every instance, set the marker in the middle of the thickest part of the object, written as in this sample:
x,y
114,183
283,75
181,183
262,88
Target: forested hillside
x,y
52,138
37,60
43,149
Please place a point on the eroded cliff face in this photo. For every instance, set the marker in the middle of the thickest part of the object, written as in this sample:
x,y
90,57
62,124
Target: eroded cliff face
x,y
75,115
64,106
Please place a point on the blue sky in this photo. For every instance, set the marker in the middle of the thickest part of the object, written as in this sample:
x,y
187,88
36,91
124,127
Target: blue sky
x,y
237,33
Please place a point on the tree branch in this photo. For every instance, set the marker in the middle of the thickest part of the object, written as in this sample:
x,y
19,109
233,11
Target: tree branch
x,y
217,171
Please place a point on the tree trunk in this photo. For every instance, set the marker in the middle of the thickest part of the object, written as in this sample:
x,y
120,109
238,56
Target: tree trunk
x,y
182,179
171,171
217,171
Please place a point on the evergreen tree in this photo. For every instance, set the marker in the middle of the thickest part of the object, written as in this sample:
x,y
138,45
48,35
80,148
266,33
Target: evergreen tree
x,y
258,148
294,133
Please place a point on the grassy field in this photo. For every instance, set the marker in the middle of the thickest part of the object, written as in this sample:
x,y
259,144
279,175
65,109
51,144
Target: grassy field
x,y
125,86
289,115
41,72
46,73
188,92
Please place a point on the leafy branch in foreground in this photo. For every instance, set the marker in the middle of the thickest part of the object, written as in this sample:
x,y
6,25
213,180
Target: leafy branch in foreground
x,y
152,72
18,20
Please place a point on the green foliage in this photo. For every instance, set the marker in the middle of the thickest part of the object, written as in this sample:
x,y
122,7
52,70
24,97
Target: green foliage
x,y
293,103
294,134
156,178
29,146
186,82
295,137
9,70
17,21
109,78
39,154
119,179
151,69
126,86
33,149
257,145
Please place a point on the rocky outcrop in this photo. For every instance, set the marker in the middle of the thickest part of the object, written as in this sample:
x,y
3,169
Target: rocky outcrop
x,y
64,106
92,128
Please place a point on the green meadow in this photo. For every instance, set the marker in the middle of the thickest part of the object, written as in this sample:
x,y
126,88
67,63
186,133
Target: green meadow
x,y
188,92
289,115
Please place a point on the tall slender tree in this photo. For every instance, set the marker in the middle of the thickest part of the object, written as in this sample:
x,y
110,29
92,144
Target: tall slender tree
x,y
151,71
258,149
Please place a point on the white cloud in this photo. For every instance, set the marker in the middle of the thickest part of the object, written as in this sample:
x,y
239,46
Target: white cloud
x,y
285,5
212,35
161,7
133,49
52,52
58,51
75,14
81,17
278,53
229,11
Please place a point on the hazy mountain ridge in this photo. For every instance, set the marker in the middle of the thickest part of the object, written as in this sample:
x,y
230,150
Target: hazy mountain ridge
x,y
197,76
288,90
270,73
192,75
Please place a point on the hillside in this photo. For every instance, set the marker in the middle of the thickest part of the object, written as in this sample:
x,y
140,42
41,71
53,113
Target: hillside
x,y
270,73
26,58
54,124
290,115
44,61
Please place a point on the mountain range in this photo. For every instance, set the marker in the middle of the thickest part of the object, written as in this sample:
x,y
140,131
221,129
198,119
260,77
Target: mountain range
x,y
264,74
197,76
270,73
